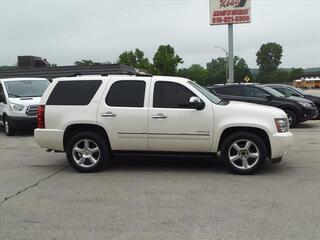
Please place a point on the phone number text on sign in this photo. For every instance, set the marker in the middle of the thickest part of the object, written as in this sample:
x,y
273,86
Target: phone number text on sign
x,y
231,19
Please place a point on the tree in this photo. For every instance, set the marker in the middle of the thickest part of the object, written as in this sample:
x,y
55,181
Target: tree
x,y
135,59
166,61
241,70
196,73
268,59
84,62
217,70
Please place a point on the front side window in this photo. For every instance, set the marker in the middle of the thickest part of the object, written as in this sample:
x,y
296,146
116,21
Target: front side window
x,y
171,95
26,88
231,91
74,92
2,97
126,94
255,92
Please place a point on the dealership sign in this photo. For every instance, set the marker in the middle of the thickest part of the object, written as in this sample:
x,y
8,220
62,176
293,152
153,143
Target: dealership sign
x,y
230,11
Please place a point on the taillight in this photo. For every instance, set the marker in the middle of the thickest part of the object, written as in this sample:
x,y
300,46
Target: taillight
x,y
41,109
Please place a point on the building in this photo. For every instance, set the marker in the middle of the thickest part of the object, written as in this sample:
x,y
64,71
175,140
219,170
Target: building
x,y
32,66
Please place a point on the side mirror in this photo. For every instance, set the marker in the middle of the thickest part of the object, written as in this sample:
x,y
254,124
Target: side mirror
x,y
196,103
268,97
296,95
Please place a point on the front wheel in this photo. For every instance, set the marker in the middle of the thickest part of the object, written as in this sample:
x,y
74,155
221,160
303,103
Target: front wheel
x,y
8,129
87,152
244,153
292,118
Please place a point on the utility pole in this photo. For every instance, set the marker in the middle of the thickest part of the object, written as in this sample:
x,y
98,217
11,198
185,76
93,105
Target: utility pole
x,y
227,56
231,62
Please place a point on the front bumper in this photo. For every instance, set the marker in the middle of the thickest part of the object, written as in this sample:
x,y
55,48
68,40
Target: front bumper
x,y
22,123
309,114
280,143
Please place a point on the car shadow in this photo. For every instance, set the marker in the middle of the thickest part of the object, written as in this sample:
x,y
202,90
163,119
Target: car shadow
x,y
18,133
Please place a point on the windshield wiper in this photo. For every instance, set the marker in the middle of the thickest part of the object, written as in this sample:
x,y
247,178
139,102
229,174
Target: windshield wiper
x,y
14,95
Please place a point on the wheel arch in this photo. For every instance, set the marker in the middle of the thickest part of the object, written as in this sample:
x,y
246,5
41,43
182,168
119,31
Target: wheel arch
x,y
73,129
258,131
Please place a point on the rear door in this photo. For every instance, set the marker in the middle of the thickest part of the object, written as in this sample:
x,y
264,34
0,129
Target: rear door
x,y
123,112
175,126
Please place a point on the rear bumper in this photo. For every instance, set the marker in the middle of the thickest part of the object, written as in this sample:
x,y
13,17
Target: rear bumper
x,y
22,123
280,143
49,138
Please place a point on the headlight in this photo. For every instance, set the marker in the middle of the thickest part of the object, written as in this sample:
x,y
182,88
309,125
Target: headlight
x,y
16,107
282,124
305,104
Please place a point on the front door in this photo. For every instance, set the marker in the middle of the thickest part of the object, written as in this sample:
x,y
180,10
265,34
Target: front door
x,y
173,124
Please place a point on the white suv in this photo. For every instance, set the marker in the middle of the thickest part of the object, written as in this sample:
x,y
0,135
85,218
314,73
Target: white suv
x,y
94,117
19,100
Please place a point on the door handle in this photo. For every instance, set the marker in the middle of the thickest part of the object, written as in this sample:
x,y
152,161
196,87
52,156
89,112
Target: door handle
x,y
108,114
159,116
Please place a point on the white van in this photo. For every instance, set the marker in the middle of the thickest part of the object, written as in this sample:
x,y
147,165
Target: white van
x,y
19,100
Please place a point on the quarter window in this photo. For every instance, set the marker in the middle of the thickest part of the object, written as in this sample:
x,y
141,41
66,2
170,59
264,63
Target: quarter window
x,y
126,94
74,92
171,95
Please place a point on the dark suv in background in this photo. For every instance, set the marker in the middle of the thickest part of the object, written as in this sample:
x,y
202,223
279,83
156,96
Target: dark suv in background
x,y
296,92
297,109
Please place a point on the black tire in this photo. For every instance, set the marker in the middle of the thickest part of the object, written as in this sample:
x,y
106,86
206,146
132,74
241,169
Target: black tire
x,y
294,119
238,138
95,141
8,129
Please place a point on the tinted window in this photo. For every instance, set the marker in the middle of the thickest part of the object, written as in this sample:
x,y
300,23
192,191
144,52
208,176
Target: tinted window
x,y
286,91
230,90
255,92
26,88
73,92
126,94
171,95
2,97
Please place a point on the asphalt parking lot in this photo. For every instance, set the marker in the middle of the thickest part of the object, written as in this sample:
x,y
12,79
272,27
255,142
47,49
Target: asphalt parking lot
x,y
41,197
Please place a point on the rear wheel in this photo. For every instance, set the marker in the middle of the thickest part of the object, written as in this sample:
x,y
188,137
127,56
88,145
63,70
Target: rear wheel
x,y
88,152
243,153
8,129
292,118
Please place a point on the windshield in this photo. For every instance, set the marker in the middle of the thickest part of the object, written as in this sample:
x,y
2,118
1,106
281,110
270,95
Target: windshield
x,y
213,98
272,91
298,90
26,88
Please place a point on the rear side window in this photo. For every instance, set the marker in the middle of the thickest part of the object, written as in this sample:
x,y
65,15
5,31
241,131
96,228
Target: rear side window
x,y
126,94
171,95
74,92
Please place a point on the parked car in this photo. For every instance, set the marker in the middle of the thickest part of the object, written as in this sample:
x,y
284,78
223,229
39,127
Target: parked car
x,y
297,109
296,92
93,117
19,100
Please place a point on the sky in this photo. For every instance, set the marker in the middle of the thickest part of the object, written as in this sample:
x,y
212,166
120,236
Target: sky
x,y
64,31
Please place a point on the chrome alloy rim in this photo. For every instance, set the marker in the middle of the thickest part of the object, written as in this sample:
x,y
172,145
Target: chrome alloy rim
x,y
6,126
289,119
86,153
243,154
